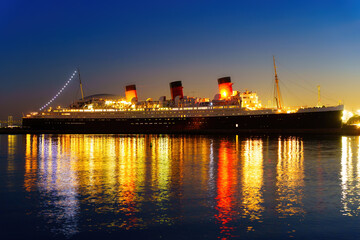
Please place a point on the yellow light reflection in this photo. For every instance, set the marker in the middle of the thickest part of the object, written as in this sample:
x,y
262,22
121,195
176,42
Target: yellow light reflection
x,y
160,172
350,175
129,179
252,180
11,152
30,162
290,177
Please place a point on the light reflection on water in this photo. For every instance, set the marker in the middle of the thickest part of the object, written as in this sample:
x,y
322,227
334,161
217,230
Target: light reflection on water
x,y
227,182
290,177
252,179
350,176
236,186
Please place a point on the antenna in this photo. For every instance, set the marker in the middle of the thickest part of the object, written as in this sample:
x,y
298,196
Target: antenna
x,y
81,89
277,90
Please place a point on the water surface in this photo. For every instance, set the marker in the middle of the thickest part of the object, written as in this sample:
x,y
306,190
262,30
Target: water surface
x,y
179,187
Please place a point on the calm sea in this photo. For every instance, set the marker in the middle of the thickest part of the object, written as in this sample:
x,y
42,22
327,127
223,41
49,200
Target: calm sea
x,y
179,187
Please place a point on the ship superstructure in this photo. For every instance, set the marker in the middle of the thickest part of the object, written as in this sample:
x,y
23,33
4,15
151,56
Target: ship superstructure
x,y
228,111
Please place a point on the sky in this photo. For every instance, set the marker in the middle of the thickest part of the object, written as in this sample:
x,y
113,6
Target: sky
x,y
152,43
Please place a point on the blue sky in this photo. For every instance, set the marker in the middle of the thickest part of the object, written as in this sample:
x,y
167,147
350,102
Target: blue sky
x,y
151,43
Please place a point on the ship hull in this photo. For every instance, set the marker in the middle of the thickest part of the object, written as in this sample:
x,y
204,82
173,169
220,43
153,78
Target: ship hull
x,y
316,121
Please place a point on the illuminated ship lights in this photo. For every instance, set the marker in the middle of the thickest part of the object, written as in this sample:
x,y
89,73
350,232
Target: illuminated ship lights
x,y
225,87
59,92
130,93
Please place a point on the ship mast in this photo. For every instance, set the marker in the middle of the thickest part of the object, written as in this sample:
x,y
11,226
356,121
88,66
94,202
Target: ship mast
x,y
319,96
277,89
81,89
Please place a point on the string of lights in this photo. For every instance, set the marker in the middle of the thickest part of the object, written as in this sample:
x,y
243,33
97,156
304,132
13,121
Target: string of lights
x,y
59,92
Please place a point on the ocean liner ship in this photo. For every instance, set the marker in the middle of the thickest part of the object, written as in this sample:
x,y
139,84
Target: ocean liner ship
x,y
229,112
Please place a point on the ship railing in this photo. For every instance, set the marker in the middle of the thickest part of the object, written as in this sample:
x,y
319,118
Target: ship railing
x,y
150,109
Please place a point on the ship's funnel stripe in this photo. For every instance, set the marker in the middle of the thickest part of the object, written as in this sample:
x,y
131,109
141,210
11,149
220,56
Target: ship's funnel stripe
x,y
224,80
175,84
130,87
59,92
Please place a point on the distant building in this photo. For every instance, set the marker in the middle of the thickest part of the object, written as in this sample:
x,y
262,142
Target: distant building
x,y
10,121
